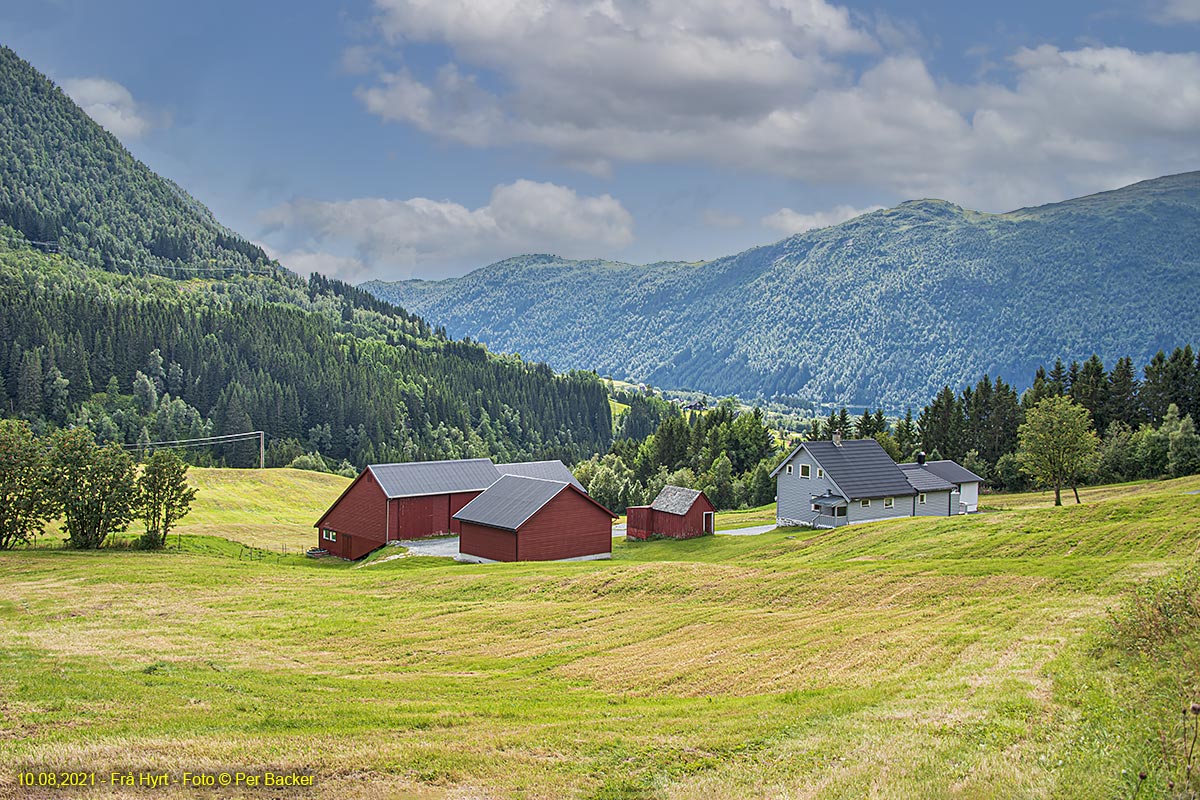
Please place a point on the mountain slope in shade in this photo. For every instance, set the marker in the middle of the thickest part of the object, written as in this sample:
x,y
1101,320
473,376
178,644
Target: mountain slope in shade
x,y
882,309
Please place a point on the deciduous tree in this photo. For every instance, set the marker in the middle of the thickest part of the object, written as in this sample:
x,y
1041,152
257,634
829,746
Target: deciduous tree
x,y
163,496
24,505
1057,444
91,487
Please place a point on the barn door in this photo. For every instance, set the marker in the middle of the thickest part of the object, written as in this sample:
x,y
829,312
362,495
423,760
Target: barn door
x,y
710,522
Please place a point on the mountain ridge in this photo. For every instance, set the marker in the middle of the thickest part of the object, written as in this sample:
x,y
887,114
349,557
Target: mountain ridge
x,y
882,309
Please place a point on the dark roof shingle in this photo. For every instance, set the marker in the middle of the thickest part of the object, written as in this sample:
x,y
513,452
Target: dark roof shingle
x,y
510,501
925,481
675,500
546,470
435,477
952,472
861,468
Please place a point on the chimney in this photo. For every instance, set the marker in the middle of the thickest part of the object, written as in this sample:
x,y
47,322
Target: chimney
x,y
837,438
921,458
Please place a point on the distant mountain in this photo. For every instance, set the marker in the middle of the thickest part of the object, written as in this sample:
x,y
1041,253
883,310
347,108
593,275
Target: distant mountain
x,y
69,182
100,334
882,309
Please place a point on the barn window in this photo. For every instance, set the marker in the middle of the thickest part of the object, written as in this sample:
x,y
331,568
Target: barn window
x,y
328,535
889,502
789,469
866,503
805,470
921,498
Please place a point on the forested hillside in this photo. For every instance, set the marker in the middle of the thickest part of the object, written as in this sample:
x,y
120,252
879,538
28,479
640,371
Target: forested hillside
x,y
68,182
151,359
881,310
155,323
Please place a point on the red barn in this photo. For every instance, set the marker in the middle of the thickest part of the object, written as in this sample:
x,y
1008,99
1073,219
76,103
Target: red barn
x,y
533,519
387,502
677,513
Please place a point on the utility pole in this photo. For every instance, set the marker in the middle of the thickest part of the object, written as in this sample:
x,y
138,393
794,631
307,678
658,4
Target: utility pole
x,y
262,449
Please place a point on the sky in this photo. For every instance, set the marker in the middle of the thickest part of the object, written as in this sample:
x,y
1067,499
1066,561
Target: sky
x,y
400,139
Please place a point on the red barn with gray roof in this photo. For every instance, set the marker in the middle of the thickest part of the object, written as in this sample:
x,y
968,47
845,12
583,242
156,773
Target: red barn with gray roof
x,y
533,519
387,502
676,513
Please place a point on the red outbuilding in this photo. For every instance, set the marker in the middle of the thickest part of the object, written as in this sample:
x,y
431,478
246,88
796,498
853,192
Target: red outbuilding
x,y
387,502
677,513
533,519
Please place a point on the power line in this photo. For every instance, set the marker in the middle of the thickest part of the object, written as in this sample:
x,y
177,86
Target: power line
x,y
205,441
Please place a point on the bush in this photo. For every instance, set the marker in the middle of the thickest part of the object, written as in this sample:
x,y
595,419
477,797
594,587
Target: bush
x,y
1158,611
309,461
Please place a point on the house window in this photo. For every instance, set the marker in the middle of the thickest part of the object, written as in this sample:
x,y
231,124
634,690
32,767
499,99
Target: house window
x,y
805,469
328,535
889,502
840,511
816,507
820,472
921,498
789,469
866,503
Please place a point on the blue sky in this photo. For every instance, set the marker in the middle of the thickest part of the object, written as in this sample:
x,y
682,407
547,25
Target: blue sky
x,y
415,138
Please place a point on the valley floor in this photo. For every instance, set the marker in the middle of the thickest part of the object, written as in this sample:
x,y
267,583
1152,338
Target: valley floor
x,y
962,657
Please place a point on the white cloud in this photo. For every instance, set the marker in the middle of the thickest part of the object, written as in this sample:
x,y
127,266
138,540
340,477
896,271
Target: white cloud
x,y
770,86
391,236
789,222
1179,11
112,106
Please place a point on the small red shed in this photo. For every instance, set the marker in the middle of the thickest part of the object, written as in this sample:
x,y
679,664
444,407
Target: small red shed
x,y
534,519
677,513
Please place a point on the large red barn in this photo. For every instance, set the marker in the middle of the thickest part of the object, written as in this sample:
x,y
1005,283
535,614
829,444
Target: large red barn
x,y
533,519
677,513
389,502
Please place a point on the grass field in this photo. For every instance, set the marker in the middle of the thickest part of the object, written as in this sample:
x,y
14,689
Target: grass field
x,y
963,657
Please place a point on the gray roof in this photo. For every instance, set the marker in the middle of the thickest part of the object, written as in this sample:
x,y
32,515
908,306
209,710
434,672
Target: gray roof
x,y
435,477
832,500
675,500
952,472
859,467
510,501
547,470
925,481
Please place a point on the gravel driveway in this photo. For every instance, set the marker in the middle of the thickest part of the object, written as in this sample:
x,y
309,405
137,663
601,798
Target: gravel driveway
x,y
443,546
447,546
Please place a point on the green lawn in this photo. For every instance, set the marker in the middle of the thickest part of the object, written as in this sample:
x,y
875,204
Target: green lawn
x,y
962,657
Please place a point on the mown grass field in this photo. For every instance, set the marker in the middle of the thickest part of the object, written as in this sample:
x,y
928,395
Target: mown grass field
x,y
963,657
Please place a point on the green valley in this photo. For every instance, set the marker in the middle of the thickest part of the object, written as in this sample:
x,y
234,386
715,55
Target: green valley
x,y
956,657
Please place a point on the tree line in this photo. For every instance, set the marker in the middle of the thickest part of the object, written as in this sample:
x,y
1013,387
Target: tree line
x,y
329,372
725,453
95,489
1143,420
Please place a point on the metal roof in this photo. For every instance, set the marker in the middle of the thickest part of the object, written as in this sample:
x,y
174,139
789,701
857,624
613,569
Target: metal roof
x,y
859,467
675,500
830,500
952,472
925,481
547,470
417,478
510,501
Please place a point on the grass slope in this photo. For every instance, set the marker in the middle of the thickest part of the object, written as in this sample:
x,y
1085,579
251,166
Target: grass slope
x,y
916,658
